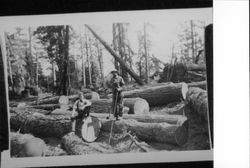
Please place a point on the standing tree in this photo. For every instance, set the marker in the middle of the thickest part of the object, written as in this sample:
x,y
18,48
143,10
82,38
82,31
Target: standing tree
x,y
121,45
56,40
145,44
192,41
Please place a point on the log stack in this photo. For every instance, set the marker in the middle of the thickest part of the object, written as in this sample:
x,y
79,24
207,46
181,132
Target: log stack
x,y
197,113
163,94
149,132
135,105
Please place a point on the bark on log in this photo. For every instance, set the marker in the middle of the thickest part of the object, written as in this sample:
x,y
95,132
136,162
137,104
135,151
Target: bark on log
x,y
170,119
74,145
163,94
196,67
117,58
197,99
55,99
26,145
149,132
58,125
201,84
135,105
198,128
30,121
197,75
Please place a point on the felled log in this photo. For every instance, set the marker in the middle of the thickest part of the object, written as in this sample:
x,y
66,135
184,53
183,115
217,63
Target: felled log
x,y
197,74
74,145
176,110
149,132
162,94
149,118
26,145
201,84
29,120
158,95
196,67
135,105
196,111
55,99
197,99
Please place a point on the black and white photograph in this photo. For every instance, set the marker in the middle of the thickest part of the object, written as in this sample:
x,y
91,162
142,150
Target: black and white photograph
x,y
130,82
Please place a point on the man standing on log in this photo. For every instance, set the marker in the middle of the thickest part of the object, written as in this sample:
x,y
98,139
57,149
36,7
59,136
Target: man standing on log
x,y
117,84
81,110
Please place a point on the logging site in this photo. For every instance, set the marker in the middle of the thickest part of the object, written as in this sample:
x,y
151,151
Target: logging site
x,y
118,87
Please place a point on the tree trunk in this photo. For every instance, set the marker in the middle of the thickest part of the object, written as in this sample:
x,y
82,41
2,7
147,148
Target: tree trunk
x,y
198,122
83,62
30,120
192,40
201,84
39,124
65,76
9,54
54,73
146,54
115,45
149,132
161,95
88,57
198,99
100,60
74,145
136,106
196,67
113,53
197,74
148,118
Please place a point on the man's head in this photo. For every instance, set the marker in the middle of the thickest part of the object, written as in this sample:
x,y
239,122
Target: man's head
x,y
114,73
81,96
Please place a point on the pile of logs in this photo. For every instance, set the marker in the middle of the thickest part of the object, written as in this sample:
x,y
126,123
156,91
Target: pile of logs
x,y
48,119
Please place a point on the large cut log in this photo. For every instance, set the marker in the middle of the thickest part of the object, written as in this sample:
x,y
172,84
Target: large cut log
x,y
28,120
58,125
26,145
201,84
55,99
197,99
117,57
74,145
135,105
149,132
196,67
196,111
171,119
163,94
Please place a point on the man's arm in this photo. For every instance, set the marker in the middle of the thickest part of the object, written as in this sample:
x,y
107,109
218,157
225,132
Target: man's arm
x,y
74,108
88,103
122,83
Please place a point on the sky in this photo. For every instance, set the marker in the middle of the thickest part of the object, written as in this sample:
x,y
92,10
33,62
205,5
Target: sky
x,y
164,31
166,25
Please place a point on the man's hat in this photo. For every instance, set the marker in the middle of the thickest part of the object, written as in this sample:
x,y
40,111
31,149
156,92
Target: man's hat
x,y
114,71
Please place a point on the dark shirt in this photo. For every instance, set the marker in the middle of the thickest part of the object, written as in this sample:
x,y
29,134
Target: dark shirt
x,y
117,82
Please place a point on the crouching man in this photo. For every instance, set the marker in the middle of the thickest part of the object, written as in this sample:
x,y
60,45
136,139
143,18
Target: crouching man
x,y
81,110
